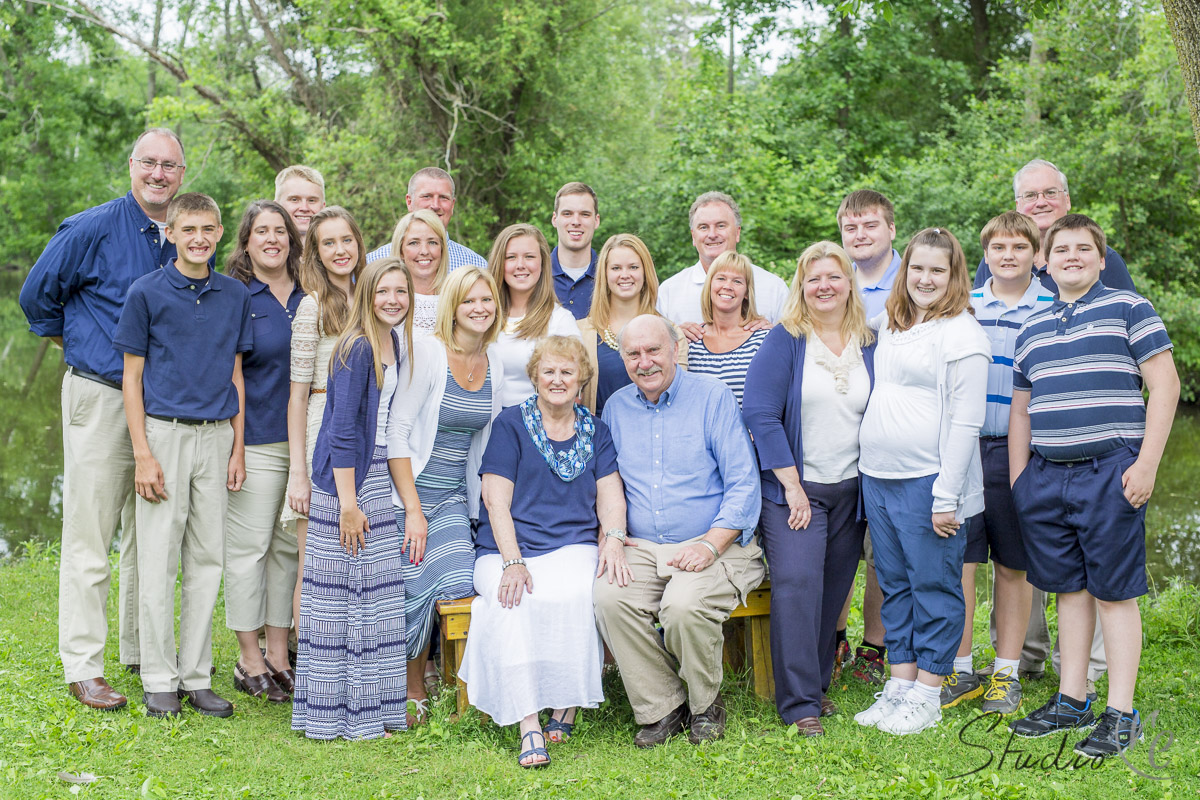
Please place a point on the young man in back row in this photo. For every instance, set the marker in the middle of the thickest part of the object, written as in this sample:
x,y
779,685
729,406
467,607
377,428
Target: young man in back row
x,y
183,331
1079,371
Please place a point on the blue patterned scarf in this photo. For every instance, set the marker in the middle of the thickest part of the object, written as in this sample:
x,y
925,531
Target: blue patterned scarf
x,y
570,464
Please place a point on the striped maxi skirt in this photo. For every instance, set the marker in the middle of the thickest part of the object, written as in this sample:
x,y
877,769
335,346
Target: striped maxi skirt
x,y
350,663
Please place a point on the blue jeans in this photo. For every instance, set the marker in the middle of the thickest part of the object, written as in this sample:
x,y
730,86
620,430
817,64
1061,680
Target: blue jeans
x,y
919,572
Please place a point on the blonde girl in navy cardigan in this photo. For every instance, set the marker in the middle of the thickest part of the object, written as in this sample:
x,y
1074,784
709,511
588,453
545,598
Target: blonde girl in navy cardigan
x,y
810,380
350,665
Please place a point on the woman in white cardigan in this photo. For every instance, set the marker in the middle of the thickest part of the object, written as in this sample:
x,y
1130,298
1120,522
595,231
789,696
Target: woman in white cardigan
x,y
441,418
519,263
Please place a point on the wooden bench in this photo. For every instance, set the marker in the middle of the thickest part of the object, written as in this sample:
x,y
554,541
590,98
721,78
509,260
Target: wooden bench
x,y
747,638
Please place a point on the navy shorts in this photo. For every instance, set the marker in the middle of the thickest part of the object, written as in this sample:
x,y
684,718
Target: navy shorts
x,y
996,532
1079,530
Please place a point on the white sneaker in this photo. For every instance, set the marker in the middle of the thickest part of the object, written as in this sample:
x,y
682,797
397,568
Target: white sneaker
x,y
880,709
911,715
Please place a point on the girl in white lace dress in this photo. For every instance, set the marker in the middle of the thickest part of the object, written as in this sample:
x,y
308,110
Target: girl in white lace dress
x,y
334,257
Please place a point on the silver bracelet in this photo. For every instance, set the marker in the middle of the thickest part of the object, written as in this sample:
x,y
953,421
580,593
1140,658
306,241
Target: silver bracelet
x,y
513,563
716,553
616,533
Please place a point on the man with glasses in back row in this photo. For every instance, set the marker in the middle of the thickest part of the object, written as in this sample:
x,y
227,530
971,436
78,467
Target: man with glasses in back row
x,y
74,295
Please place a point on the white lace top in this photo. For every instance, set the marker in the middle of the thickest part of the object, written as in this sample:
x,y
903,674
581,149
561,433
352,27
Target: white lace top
x,y
835,396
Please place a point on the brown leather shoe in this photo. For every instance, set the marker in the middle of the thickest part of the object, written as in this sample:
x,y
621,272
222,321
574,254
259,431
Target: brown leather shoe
x,y
657,733
828,707
161,704
206,701
286,678
708,725
262,685
809,726
96,693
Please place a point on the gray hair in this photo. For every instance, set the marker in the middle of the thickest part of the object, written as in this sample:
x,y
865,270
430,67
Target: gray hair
x,y
167,132
672,331
436,173
714,197
1037,163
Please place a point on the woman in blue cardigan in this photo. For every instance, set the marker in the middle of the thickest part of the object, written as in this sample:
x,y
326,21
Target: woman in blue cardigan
x,y
806,391
350,663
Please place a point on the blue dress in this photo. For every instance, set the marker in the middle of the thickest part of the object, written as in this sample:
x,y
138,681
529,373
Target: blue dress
x,y
447,571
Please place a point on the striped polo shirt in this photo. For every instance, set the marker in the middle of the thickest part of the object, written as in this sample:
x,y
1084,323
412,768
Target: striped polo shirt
x,y
1079,361
1001,324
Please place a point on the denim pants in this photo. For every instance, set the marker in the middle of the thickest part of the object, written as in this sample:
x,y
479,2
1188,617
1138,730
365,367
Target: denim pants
x,y
919,572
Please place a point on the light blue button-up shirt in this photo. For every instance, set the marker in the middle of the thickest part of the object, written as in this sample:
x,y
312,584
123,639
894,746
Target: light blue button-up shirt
x,y
875,297
458,256
686,460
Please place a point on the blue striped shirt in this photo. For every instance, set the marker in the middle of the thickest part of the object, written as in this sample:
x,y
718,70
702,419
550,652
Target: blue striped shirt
x,y
460,256
729,368
1001,323
1080,363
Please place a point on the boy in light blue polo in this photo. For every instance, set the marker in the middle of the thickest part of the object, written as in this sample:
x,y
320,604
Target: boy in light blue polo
x,y
1079,372
183,331
1002,304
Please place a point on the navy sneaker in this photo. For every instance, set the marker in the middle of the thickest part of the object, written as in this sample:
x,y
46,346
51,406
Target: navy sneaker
x,y
1058,714
1115,733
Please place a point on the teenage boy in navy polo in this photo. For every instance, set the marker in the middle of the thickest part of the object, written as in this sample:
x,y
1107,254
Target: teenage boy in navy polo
x,y
1081,495
183,331
1005,301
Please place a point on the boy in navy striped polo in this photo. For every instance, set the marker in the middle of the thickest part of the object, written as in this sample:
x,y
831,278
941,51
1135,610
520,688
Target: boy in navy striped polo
x,y
1081,495
1008,298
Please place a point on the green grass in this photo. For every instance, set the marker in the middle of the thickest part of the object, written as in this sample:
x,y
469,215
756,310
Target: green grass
x,y
254,754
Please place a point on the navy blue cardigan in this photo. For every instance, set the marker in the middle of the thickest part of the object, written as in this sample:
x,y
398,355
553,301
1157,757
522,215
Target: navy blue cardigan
x,y
771,405
347,435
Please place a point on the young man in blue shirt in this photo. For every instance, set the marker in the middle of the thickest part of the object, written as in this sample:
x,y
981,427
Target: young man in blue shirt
x,y
1001,306
183,331
1079,372
573,260
74,295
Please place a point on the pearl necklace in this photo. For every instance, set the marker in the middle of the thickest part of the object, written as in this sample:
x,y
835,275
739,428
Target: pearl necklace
x,y
610,340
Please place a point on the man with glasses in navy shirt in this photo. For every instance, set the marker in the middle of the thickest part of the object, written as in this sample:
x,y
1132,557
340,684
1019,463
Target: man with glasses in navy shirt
x,y
74,295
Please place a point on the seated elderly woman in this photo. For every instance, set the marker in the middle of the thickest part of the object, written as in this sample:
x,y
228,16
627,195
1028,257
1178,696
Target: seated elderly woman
x,y
533,643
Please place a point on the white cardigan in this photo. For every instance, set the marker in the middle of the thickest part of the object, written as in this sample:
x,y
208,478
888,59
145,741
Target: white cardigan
x,y
413,421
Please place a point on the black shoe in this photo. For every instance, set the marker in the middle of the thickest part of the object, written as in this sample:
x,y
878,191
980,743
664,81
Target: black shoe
x,y
206,701
1058,714
657,733
133,669
1115,732
161,704
708,725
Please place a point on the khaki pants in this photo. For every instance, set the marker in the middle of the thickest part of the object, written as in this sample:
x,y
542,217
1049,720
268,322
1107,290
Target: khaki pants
x,y
187,527
97,494
685,663
261,557
1038,642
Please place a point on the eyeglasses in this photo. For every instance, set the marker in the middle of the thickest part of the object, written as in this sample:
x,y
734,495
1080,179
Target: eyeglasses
x,y
1049,194
169,167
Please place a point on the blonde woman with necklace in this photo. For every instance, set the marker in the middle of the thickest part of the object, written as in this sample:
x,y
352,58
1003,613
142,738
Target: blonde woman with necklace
x,y
727,307
440,423
626,287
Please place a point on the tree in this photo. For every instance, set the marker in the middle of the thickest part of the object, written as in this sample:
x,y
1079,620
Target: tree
x,y
1183,20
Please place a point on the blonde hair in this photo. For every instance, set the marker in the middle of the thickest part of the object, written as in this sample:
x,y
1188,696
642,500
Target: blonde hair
x,y
797,316
542,301
902,311
332,302
561,347
458,285
738,264
361,324
601,308
435,224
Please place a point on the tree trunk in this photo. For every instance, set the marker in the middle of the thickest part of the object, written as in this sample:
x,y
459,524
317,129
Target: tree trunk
x,y
151,67
982,36
1037,58
845,30
729,81
1183,19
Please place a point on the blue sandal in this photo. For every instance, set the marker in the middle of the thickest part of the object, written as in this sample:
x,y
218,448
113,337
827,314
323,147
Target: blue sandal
x,y
534,751
560,727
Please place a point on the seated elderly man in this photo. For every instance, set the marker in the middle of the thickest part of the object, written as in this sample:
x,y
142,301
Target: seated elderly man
x,y
692,490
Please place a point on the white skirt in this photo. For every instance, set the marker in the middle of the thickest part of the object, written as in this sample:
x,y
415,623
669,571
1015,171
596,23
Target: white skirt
x,y
544,653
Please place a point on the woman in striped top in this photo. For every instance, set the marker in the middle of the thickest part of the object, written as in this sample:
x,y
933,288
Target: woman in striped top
x,y
727,304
